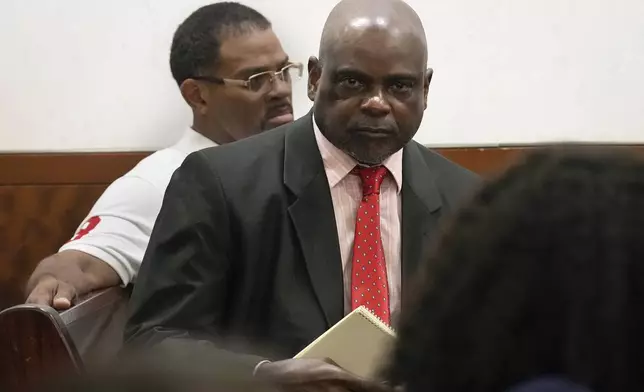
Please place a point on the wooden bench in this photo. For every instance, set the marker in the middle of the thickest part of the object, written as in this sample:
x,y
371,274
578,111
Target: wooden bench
x,y
37,342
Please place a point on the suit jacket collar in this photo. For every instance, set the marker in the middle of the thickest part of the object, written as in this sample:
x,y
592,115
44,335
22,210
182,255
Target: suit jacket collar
x,y
313,218
421,207
302,160
419,178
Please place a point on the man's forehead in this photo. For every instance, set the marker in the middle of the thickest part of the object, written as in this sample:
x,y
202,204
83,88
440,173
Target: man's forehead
x,y
378,30
369,42
235,46
255,51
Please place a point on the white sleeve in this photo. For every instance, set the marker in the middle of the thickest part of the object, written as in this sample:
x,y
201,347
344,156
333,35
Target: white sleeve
x,y
117,229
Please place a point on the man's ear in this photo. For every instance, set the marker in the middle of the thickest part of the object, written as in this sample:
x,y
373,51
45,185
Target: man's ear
x,y
195,94
315,72
428,79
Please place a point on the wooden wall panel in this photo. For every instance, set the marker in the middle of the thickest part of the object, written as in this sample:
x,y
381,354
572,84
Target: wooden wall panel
x,y
34,221
44,197
484,161
71,168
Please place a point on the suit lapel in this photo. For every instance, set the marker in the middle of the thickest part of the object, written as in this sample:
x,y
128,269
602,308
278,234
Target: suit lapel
x,y
421,204
313,217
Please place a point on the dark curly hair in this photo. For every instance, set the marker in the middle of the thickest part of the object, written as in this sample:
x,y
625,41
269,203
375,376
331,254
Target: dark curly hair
x,y
543,273
197,41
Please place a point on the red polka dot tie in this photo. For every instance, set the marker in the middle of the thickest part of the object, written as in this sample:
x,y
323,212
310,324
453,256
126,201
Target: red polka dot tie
x,y
369,285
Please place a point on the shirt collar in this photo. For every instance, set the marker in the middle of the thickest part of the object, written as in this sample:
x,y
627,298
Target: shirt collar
x,y
337,164
192,141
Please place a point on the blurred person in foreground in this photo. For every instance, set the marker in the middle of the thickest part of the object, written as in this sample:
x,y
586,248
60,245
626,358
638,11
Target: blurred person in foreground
x,y
268,240
541,276
231,69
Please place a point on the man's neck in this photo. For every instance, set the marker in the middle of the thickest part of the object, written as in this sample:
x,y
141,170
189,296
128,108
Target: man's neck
x,y
212,134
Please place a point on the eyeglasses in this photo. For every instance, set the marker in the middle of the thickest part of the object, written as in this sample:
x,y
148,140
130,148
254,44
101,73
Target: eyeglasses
x,y
260,82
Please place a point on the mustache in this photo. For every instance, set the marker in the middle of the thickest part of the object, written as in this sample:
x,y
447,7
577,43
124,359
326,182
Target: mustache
x,y
276,109
382,127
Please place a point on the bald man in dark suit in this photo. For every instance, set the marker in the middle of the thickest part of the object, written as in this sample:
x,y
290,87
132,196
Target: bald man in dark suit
x,y
269,239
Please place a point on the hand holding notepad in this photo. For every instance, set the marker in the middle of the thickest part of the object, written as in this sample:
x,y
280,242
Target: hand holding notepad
x,y
358,343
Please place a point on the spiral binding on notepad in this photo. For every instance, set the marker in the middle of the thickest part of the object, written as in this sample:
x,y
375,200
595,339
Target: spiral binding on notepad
x,y
377,321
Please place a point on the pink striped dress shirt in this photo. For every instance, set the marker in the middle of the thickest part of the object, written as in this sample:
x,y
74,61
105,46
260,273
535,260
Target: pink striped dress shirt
x,y
346,193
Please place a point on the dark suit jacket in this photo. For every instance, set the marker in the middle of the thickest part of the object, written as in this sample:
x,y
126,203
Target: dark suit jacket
x,y
246,244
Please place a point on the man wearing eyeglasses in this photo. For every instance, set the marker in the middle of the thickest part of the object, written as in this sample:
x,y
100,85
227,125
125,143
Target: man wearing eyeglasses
x,y
232,71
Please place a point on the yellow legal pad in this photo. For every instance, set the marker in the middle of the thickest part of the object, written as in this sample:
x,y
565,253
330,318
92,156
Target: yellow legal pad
x,y
359,343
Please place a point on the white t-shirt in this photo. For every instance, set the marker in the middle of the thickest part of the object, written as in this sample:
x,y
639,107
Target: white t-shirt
x,y
118,227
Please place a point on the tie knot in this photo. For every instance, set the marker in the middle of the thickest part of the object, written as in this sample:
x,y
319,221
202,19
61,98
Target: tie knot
x,y
371,178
